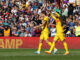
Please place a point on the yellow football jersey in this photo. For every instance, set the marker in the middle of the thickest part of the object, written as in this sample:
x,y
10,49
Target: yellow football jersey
x,y
45,31
59,26
45,28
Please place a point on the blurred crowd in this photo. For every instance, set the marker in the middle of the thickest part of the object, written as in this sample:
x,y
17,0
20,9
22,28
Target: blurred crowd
x,y
18,18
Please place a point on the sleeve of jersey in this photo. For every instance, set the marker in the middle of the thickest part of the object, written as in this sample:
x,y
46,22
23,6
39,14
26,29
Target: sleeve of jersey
x,y
53,16
57,14
46,19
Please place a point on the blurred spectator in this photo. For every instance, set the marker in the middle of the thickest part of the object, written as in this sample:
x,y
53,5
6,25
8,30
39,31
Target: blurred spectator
x,y
66,29
7,30
71,25
28,31
1,29
15,33
22,32
65,11
70,9
77,30
53,31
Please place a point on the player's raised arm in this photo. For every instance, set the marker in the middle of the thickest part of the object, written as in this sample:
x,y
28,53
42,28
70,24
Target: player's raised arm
x,y
53,16
57,14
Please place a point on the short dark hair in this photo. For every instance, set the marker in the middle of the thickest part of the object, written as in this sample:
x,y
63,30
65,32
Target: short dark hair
x,y
44,12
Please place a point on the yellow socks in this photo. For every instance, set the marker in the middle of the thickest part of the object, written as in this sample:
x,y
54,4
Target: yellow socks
x,y
65,46
52,46
40,45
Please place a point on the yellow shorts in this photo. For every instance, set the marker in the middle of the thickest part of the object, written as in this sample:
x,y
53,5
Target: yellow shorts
x,y
44,36
59,36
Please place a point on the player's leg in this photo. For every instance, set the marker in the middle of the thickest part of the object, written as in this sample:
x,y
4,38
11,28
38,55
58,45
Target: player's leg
x,y
53,45
62,38
49,43
66,48
39,48
46,37
40,44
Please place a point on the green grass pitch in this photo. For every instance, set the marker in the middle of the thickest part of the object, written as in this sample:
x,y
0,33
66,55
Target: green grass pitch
x,y
28,54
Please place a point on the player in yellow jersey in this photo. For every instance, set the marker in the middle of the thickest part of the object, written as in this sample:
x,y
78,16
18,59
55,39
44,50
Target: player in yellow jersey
x,y
45,32
59,34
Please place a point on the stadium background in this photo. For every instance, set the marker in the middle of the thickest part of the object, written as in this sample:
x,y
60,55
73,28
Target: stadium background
x,y
16,48
5,17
